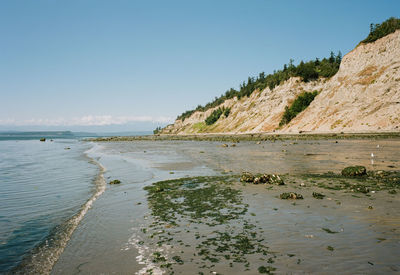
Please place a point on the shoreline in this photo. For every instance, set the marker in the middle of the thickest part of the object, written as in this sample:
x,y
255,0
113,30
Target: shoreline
x,y
253,137
145,224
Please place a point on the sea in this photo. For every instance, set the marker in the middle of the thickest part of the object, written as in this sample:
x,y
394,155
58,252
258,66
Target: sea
x,y
46,187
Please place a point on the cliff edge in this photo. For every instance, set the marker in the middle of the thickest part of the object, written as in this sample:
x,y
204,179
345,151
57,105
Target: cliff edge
x,y
363,96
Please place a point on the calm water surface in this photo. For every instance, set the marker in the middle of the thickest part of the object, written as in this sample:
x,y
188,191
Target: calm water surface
x,y
43,185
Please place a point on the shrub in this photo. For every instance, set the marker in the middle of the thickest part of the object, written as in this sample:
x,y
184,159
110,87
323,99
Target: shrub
x,y
215,115
380,30
298,105
157,130
227,111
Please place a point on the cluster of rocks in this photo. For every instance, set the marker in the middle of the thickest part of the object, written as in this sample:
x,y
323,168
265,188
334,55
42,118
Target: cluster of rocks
x,y
291,196
354,171
261,179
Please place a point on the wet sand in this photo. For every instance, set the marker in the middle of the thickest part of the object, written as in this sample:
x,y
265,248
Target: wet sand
x,y
345,232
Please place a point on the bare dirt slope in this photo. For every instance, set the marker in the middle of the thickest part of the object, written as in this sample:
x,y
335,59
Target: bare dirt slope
x,y
363,96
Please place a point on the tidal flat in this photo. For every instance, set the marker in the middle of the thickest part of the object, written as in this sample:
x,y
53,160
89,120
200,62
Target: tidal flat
x,y
181,208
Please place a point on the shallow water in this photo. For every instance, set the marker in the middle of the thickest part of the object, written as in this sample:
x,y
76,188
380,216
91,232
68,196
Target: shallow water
x,y
43,185
114,235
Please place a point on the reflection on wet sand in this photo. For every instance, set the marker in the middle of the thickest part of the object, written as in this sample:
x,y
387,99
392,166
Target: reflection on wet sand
x,y
158,221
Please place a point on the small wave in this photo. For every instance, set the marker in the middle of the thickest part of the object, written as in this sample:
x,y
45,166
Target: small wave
x,y
43,257
145,252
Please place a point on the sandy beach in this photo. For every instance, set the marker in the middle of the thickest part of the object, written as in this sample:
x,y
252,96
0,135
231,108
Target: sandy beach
x,y
181,208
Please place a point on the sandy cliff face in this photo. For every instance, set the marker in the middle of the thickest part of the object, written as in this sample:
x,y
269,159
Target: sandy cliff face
x,y
364,95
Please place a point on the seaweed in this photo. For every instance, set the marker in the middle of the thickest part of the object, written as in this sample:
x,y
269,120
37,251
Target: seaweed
x,y
266,270
318,195
209,202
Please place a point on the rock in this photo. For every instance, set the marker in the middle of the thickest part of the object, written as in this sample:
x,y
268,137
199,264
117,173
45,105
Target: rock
x,y
115,182
291,195
274,179
247,177
354,171
361,188
256,180
258,142
67,148
42,139
318,195
233,145
224,145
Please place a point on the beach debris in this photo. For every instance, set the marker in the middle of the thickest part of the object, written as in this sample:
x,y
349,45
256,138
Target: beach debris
x,y
354,171
370,207
224,145
258,142
318,195
172,172
42,139
67,148
261,178
327,230
290,195
330,248
233,145
309,236
115,182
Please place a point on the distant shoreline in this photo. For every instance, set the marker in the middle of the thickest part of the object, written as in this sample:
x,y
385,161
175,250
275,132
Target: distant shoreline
x,y
253,137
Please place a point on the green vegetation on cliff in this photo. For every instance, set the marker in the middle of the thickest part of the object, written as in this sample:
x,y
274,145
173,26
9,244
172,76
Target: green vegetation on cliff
x,y
307,71
298,105
311,70
216,114
380,30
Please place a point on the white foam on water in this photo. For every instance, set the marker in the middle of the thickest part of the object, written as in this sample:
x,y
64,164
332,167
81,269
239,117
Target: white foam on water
x,y
45,255
145,252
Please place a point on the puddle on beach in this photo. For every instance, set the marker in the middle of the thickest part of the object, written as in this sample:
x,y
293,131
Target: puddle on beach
x,y
175,213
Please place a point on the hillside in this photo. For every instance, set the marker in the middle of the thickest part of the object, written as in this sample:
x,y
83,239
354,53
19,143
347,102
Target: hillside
x,y
363,96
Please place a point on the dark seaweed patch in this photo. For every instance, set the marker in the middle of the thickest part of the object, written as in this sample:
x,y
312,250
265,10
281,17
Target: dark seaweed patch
x,y
212,204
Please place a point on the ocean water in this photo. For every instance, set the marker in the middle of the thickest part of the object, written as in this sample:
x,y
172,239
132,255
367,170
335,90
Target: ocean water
x,y
45,190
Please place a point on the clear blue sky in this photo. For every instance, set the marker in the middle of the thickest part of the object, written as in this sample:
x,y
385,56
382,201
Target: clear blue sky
x,y
137,64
